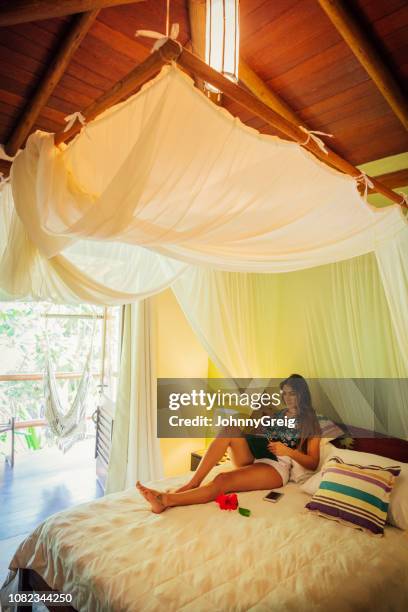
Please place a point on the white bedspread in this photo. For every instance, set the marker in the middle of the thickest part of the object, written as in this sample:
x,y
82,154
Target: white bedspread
x,y
115,555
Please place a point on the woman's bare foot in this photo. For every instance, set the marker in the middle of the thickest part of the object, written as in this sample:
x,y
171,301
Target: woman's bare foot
x,y
155,498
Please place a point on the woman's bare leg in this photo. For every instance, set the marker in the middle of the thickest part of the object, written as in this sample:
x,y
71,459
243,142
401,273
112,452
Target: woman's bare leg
x,y
248,478
241,456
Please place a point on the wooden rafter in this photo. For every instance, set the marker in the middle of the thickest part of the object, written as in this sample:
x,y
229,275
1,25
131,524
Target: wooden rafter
x,y
255,84
197,21
79,28
196,15
23,11
393,180
344,21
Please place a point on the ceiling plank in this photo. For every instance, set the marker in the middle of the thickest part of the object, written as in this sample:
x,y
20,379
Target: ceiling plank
x,y
78,30
23,11
367,54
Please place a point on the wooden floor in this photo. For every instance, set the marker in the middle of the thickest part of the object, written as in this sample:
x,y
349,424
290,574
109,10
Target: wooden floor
x,y
40,484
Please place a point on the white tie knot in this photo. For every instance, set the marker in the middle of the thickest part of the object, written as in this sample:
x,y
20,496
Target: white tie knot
x,y
160,38
70,120
363,179
3,179
312,135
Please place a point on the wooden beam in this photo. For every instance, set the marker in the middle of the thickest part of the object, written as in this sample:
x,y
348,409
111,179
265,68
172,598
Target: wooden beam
x,y
344,21
197,19
193,65
399,178
78,30
255,84
23,11
125,87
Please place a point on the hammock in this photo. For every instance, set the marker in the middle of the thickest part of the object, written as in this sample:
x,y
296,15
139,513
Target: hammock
x,y
67,426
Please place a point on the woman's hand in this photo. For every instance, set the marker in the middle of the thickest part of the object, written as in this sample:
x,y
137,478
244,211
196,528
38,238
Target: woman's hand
x,y
279,449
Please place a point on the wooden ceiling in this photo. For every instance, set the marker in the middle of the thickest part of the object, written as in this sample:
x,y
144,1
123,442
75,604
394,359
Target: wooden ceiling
x,y
290,44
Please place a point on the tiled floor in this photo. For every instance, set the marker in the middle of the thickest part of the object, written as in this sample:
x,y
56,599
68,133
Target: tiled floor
x,y
40,484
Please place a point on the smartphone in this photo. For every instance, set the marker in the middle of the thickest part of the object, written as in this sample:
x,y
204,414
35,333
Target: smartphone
x,y
273,496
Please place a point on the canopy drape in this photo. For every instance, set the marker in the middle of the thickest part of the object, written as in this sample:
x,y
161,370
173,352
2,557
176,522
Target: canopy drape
x,y
169,171
331,322
263,323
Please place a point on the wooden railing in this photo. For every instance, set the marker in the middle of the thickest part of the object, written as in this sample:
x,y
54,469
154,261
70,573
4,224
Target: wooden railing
x,y
38,376
12,425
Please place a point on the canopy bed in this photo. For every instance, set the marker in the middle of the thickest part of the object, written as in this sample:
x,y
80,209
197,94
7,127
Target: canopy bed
x,y
191,198
114,554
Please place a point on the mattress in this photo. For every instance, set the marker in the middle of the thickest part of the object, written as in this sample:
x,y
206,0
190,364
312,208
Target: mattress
x,y
114,555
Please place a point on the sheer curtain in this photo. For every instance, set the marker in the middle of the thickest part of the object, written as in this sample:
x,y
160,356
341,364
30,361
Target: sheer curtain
x,y
135,450
328,322
392,257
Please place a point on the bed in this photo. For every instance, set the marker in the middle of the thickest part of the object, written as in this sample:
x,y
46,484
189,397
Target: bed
x,y
114,555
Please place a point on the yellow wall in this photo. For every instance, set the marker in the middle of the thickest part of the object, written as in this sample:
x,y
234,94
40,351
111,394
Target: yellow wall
x,y
179,355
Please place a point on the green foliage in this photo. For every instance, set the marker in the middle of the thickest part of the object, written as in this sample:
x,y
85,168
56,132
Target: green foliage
x,y
24,335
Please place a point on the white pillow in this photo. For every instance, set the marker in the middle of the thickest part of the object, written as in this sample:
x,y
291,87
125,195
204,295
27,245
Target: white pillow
x,y
312,484
300,474
398,509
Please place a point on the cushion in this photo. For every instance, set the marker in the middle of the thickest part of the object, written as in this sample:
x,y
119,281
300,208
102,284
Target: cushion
x,y
355,495
398,508
329,429
367,442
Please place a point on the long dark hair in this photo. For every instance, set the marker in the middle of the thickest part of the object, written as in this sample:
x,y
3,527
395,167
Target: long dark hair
x,y
307,420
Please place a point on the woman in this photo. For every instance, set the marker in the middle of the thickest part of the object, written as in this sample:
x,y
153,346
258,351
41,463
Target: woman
x,y
256,470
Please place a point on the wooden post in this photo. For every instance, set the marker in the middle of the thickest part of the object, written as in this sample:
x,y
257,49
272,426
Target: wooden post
x,y
53,75
339,14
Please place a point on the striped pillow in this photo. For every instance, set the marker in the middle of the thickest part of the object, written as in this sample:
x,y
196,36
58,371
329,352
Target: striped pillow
x,y
354,494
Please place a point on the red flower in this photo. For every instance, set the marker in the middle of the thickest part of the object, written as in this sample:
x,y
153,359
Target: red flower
x,y
227,502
